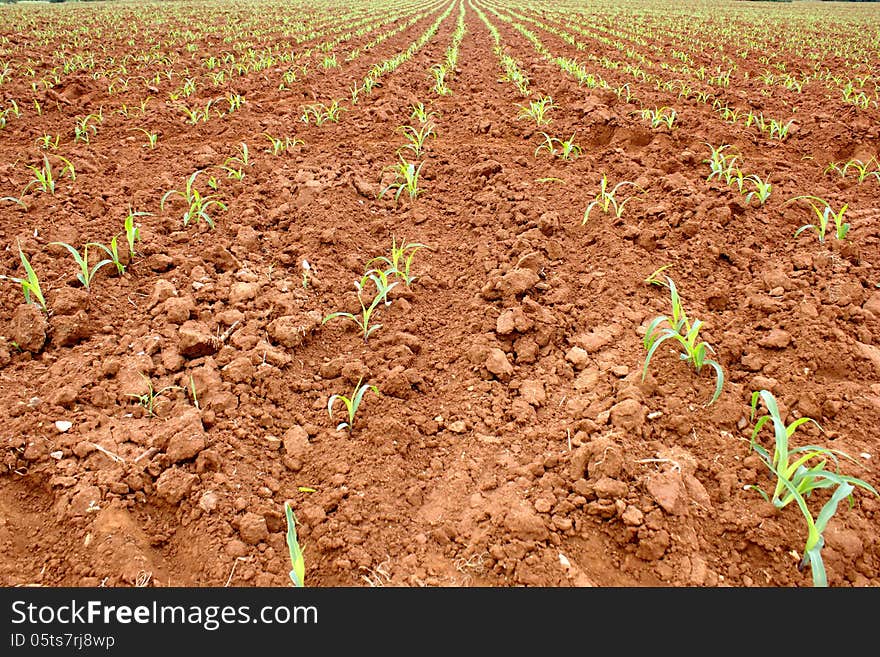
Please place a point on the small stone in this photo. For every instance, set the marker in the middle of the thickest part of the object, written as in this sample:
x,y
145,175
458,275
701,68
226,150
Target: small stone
x,y
776,339
578,357
533,392
252,528
209,501
458,426
174,484
63,426
240,292
632,516
497,364
195,340
29,327
611,489
628,414
296,442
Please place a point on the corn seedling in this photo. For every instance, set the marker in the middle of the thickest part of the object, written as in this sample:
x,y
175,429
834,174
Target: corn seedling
x,y
132,231
421,114
825,215
401,259
85,275
198,205
779,130
383,287
321,113
722,165
112,250
659,116
148,399
84,130
605,199
46,142
297,562
45,179
537,110
439,72
279,145
863,169
680,329
568,150
351,404
152,137
797,478
417,138
761,191
30,285
407,179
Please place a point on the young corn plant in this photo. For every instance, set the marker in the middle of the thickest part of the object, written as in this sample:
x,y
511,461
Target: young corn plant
x,y
400,261
297,562
84,129
606,199
439,72
351,404
363,322
86,274
152,137
198,205
132,230
417,137
567,149
279,145
863,169
45,179
680,329
421,114
659,116
825,215
149,398
722,165
799,471
778,129
762,189
406,180
537,110
112,250
30,285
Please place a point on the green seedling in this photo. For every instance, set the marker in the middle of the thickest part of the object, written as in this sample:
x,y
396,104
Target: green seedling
x,y
401,260
30,285
863,169
383,287
198,205
779,130
85,275
111,250
421,114
568,150
825,215
152,137
279,145
148,399
46,142
606,199
321,113
799,471
84,130
297,562
417,137
45,179
407,179
680,329
761,191
659,116
132,231
537,110
351,404
439,73
723,165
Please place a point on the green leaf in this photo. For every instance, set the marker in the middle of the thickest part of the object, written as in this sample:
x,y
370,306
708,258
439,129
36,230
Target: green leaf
x,y
297,574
